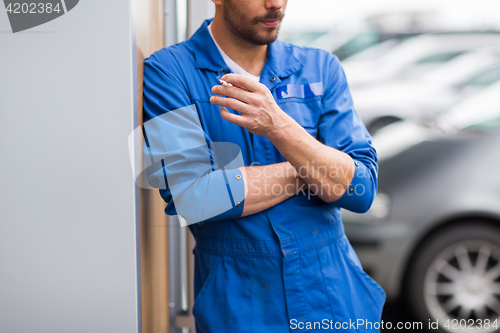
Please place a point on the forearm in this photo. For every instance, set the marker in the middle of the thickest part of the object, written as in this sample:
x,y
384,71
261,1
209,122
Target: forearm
x,y
268,185
327,171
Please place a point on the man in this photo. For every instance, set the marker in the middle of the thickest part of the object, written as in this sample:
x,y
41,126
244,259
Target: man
x,y
275,259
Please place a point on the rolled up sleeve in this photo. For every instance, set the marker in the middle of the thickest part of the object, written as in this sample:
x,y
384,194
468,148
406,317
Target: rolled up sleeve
x,y
341,127
361,191
198,179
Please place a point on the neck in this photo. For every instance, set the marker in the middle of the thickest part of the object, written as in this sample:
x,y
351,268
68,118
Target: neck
x,y
248,56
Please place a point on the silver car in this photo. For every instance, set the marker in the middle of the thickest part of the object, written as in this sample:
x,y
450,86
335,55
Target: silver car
x,y
413,57
432,93
432,236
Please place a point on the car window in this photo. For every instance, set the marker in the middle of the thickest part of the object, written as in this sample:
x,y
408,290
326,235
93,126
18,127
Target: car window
x,y
438,58
488,125
375,52
357,44
485,78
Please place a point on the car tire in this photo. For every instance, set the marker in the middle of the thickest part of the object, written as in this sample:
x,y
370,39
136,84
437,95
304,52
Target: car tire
x,y
454,279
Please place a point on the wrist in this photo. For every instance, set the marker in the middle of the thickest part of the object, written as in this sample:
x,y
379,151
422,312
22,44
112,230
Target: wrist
x,y
294,178
281,128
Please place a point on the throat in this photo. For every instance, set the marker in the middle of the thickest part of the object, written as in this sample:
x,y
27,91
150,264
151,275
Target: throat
x,y
252,65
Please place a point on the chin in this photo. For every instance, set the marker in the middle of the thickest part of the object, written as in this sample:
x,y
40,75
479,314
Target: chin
x,y
269,36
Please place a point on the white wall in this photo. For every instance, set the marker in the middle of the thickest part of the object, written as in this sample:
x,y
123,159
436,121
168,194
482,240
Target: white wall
x,y
197,12
68,236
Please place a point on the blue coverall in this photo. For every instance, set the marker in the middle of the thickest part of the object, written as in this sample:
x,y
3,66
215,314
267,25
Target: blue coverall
x,y
289,267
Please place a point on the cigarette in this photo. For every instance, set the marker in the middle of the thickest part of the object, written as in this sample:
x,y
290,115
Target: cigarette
x,y
225,84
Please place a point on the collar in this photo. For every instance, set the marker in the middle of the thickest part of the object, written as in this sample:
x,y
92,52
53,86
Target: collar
x,y
280,62
205,51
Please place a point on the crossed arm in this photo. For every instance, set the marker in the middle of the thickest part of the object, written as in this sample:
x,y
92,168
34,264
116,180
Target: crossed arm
x,y
326,171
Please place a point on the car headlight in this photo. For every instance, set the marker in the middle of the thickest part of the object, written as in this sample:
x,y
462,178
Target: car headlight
x,y
379,210
381,206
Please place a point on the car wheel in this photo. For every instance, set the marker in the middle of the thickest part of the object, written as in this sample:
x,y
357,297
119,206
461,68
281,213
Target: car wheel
x,y
379,123
454,279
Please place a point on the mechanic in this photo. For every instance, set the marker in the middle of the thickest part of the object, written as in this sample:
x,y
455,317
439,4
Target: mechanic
x,y
277,255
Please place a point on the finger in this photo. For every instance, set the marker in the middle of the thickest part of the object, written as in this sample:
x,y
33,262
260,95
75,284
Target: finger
x,y
226,84
230,103
242,81
233,92
231,117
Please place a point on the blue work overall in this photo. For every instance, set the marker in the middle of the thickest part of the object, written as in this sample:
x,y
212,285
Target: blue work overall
x,y
289,268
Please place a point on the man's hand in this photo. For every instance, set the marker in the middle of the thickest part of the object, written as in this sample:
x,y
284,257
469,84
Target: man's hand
x,y
259,112
327,171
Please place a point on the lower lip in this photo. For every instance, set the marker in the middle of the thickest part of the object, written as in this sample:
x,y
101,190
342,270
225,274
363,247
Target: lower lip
x,y
271,24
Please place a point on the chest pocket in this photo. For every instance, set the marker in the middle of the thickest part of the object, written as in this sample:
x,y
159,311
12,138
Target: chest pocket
x,y
302,103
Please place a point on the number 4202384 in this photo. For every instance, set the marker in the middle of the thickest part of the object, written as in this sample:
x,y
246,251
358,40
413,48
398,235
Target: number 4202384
x,y
455,324
33,8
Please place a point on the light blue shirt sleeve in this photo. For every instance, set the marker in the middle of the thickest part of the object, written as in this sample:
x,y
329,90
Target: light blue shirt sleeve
x,y
199,179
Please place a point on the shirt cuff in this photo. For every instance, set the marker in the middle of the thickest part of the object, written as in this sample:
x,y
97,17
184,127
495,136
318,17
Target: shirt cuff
x,y
361,191
235,186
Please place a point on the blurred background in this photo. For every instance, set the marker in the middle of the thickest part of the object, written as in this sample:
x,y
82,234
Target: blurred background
x,y
425,79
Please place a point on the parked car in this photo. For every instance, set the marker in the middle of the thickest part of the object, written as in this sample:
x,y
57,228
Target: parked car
x,y
360,41
345,44
431,94
414,56
432,235
367,39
